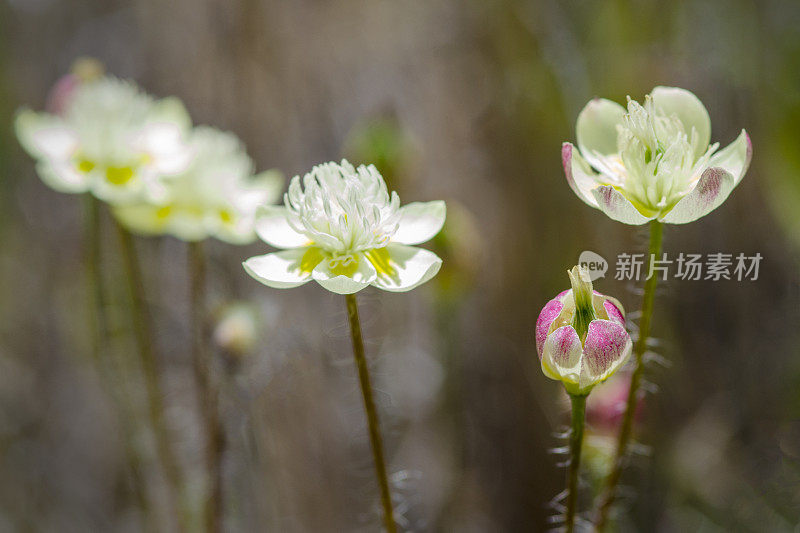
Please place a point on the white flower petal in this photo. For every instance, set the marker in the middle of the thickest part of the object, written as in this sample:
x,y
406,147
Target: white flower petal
x,y
711,190
272,228
62,176
596,129
580,176
401,268
689,110
420,222
284,269
611,202
145,219
345,278
269,186
171,110
166,146
45,136
734,158
238,232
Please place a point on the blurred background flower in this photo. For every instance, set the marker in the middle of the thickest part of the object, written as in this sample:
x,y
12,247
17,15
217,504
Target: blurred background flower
x,y
480,96
215,196
109,138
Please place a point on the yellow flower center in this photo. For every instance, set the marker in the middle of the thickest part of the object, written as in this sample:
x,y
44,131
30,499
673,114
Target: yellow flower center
x,y
85,166
119,175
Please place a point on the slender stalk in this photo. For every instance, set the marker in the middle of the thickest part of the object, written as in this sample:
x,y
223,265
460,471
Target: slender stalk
x,y
372,414
206,393
625,430
575,445
94,277
143,332
99,346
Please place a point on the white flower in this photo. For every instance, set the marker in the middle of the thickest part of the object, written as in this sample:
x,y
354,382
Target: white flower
x,y
653,161
237,328
110,139
216,196
343,229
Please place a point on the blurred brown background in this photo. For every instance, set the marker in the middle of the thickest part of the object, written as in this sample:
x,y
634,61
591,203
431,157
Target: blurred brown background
x,y
463,101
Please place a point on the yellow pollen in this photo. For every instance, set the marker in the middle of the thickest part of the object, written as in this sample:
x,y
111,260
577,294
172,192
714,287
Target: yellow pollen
x,y
311,259
226,216
119,175
85,166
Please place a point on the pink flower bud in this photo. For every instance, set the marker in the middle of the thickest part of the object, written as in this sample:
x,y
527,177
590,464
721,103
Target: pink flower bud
x,y
580,336
605,408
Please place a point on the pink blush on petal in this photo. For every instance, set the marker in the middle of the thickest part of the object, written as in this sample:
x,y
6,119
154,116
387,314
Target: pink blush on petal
x,y
605,344
545,320
614,313
566,344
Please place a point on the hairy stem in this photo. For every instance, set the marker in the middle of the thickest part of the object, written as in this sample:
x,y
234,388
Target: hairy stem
x,y
206,391
372,414
610,488
575,445
143,332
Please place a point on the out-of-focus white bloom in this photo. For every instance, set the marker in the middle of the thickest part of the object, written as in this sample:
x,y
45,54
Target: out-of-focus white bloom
x,y
110,139
341,227
653,161
236,331
581,337
216,196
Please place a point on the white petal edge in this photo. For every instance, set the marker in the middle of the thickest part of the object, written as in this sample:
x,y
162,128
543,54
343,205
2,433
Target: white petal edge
x,y
45,136
61,176
269,185
735,158
359,278
402,268
167,147
279,270
711,190
273,228
689,110
171,110
596,129
611,202
580,177
420,222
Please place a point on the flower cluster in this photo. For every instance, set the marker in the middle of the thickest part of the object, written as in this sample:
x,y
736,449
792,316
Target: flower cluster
x,y
653,161
110,139
144,158
216,195
580,336
341,227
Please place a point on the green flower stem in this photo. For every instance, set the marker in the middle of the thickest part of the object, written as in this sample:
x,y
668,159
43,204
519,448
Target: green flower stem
x,y
372,414
99,346
143,332
625,430
207,397
575,445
